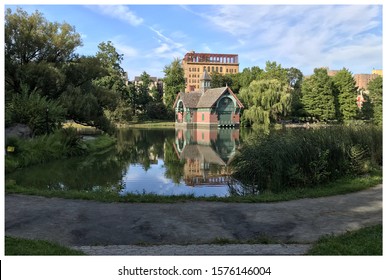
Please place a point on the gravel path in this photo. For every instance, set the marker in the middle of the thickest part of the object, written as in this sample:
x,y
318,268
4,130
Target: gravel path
x,y
116,228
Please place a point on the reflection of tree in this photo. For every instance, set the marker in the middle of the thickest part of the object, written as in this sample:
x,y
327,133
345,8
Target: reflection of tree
x,y
103,171
139,146
174,167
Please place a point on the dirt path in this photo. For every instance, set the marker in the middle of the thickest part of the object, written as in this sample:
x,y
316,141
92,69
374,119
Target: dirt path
x,y
84,223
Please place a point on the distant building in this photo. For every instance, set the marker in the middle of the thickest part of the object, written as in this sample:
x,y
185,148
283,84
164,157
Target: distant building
x,y
362,80
154,83
195,63
332,73
377,72
207,107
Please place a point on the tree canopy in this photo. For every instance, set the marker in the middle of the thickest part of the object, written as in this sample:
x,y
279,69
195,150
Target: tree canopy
x,y
318,95
174,82
345,85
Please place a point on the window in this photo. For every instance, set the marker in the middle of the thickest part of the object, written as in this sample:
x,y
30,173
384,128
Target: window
x,y
212,68
204,68
202,117
216,68
221,69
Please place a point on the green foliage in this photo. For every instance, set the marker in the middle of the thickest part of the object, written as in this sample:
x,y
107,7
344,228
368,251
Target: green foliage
x,y
218,80
318,95
304,158
375,88
365,241
174,82
34,110
62,143
267,101
33,39
346,88
40,58
24,247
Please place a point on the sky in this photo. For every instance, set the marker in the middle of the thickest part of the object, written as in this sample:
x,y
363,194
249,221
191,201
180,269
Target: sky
x,y
302,36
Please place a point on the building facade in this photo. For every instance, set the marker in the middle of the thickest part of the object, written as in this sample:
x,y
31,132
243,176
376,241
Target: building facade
x,y
208,107
362,80
194,65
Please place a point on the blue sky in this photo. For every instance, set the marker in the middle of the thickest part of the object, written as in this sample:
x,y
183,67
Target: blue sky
x,y
301,36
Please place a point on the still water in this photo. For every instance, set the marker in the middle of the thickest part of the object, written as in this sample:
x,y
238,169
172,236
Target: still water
x,y
163,162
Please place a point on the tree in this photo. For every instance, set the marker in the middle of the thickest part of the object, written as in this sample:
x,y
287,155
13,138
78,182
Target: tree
x,y
31,40
40,60
274,71
375,88
346,94
295,78
266,100
218,80
110,60
174,82
318,95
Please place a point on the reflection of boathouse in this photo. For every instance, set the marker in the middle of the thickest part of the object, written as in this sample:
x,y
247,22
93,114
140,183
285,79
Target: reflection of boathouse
x,y
206,153
210,107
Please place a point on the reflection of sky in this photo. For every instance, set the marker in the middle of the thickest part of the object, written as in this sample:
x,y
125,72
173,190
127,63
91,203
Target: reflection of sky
x,y
137,180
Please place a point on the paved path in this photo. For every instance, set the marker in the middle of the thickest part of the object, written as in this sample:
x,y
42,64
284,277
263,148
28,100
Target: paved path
x,y
83,223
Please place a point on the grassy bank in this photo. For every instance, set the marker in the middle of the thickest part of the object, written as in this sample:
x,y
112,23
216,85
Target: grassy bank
x,y
148,124
341,186
20,246
366,241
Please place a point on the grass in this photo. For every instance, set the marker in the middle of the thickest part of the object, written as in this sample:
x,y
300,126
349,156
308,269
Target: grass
x,y
341,186
366,241
20,246
149,124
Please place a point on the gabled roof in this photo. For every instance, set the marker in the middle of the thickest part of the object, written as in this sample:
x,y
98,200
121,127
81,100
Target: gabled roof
x,y
204,100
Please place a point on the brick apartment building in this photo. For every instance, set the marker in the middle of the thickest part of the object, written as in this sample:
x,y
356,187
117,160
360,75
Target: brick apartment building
x,y
194,65
361,80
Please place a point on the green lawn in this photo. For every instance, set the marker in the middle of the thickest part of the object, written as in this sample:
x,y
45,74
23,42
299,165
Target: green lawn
x,y
20,246
366,241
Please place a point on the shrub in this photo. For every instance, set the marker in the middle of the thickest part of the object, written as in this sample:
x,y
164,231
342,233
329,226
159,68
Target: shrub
x,y
36,111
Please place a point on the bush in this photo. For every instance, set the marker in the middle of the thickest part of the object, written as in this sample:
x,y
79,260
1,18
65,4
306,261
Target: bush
x,y
305,158
35,111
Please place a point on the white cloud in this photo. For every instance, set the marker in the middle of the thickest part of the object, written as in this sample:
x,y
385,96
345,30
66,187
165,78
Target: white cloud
x,y
121,12
168,47
302,35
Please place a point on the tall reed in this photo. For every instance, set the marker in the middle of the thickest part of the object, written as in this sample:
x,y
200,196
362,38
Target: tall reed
x,y
307,157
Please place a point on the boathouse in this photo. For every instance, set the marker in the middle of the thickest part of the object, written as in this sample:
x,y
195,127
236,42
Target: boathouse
x,y
207,107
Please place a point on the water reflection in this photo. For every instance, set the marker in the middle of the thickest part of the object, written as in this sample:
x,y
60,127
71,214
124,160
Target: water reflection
x,y
206,154
163,162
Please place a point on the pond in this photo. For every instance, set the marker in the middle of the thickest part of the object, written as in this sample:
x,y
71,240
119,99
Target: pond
x,y
158,161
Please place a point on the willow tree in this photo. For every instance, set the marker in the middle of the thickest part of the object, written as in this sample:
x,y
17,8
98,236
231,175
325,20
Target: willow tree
x,y
267,101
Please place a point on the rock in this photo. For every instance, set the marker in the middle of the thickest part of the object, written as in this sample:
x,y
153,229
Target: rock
x,y
18,130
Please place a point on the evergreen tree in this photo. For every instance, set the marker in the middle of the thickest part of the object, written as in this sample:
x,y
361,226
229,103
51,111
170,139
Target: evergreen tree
x,y
174,82
318,95
346,94
375,88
